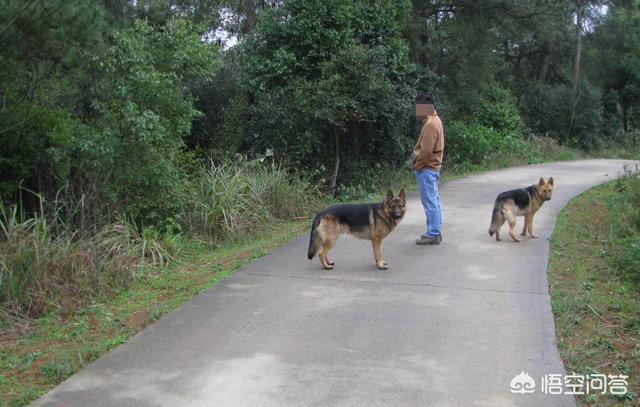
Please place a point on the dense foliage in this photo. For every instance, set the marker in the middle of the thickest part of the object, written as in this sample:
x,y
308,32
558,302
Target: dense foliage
x,y
115,102
134,119
128,128
106,119
330,81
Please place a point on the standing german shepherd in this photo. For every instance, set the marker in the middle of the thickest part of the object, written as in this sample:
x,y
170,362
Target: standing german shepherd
x,y
372,221
519,202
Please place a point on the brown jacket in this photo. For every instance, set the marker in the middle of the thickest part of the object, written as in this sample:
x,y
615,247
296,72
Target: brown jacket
x,y
428,151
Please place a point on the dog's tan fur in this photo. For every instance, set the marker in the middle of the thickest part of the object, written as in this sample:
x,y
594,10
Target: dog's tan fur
x,y
510,204
369,221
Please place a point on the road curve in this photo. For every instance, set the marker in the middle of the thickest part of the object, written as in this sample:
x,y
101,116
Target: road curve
x,y
447,325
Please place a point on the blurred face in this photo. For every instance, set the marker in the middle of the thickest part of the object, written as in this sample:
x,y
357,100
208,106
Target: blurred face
x,y
423,110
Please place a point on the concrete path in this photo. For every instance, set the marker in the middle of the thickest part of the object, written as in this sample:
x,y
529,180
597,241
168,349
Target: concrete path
x,y
448,325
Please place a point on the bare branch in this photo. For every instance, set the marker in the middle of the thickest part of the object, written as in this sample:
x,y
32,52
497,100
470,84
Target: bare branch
x,y
27,4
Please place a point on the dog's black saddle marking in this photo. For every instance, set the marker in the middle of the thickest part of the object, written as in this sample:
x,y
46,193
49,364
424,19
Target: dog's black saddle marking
x,y
354,215
521,197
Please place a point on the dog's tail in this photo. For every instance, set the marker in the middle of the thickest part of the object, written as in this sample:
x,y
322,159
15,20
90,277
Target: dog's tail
x,y
497,207
314,240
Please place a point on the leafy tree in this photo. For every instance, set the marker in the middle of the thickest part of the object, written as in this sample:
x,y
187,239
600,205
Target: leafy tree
x,y
109,116
203,13
42,48
100,97
613,53
551,109
220,131
141,112
479,44
330,79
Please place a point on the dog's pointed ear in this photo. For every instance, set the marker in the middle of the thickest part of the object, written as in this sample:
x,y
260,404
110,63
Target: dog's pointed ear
x,y
541,182
550,182
402,195
389,195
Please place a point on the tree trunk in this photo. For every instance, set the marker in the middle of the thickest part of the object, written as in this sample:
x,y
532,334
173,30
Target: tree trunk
x,y
576,67
336,157
251,9
546,61
625,117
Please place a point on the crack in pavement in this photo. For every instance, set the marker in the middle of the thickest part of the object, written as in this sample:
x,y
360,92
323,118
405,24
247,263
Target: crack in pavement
x,y
399,283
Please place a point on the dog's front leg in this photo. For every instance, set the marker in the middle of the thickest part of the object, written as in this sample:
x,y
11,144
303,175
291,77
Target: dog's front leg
x,y
530,226
377,242
525,226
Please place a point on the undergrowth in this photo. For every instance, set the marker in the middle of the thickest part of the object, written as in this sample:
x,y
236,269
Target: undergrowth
x,y
594,286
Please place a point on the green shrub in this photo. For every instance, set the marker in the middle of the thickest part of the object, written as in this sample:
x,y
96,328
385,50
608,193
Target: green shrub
x,y
324,76
488,131
496,108
477,144
123,141
143,111
549,111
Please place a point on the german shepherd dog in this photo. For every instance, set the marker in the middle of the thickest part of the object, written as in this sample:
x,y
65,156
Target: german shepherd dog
x,y
519,202
372,221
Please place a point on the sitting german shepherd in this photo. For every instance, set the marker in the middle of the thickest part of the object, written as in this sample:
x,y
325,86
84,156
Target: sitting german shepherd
x,y
519,202
372,221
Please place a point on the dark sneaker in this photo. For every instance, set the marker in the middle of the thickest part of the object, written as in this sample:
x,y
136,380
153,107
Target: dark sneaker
x,y
425,240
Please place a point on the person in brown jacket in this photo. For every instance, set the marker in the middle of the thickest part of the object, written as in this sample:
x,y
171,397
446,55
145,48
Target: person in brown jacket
x,y
426,163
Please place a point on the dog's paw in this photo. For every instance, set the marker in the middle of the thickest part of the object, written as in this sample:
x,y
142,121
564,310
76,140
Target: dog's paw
x,y
535,236
331,263
383,265
328,267
523,234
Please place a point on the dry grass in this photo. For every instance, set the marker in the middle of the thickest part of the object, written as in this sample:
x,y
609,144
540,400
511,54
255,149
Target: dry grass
x,y
44,266
38,356
234,199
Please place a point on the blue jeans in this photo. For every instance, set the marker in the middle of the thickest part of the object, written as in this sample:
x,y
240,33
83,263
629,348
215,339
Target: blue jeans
x,y
428,181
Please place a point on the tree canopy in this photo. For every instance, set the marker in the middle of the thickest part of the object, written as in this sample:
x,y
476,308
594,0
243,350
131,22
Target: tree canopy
x,y
119,100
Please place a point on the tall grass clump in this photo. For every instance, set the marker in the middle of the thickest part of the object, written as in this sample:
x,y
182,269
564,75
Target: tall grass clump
x,y
625,225
49,261
541,148
232,199
45,265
